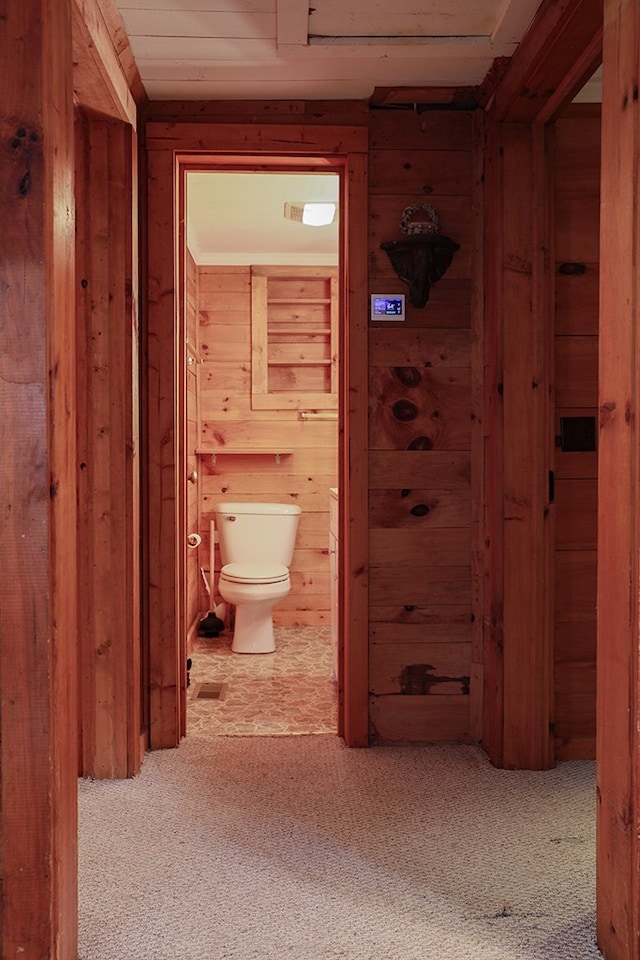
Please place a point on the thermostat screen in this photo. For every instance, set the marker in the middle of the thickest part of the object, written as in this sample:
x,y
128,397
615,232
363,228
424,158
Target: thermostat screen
x,y
387,307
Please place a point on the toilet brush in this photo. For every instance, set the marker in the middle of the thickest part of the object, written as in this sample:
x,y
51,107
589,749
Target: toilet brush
x,y
217,609
212,624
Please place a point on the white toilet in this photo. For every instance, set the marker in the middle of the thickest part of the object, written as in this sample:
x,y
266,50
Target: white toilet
x,y
256,548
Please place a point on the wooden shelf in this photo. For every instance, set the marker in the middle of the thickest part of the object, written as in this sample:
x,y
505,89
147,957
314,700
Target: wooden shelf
x,y
215,452
299,300
299,363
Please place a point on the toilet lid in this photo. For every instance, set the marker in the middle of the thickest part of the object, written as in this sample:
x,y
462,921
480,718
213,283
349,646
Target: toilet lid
x,y
254,572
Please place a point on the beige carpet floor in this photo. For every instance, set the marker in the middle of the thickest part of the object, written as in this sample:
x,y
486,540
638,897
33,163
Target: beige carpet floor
x,y
298,848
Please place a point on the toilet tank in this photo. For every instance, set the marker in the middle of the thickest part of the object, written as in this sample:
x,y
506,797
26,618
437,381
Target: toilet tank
x,y
257,532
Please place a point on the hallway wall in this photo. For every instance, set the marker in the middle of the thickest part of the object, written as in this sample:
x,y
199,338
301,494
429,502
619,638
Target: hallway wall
x,y
424,428
420,436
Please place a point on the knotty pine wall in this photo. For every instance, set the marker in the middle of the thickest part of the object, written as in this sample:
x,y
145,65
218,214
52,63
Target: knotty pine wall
x,y
577,239
420,441
426,441
226,418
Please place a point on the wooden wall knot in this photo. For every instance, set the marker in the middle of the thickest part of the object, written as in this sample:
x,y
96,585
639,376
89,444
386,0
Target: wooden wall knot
x,y
22,144
408,376
421,443
519,265
607,413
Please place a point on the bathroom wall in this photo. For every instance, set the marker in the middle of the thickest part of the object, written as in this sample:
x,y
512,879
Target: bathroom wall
x,y
226,419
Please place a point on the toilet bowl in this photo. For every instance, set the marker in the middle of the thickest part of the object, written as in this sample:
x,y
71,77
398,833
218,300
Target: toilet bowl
x,y
256,548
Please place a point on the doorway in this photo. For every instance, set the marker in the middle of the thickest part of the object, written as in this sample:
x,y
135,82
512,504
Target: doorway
x,y
172,152
261,303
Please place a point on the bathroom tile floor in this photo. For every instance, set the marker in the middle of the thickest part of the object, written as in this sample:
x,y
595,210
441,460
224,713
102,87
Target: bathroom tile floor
x,y
283,693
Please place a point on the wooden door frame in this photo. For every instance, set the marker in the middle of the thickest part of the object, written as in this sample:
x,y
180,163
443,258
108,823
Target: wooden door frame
x,y
559,53
169,147
618,661
572,44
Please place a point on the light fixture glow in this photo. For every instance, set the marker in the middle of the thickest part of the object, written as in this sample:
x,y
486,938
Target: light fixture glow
x,y
318,214
311,214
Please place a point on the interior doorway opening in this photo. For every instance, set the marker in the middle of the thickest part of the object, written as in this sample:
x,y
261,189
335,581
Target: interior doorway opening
x,y
261,306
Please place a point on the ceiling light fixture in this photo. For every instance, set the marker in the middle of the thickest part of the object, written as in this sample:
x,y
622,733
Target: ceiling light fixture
x,y
311,214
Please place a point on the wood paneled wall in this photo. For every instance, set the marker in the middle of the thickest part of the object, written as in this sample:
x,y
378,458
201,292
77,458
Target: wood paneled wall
x,y
618,578
108,450
228,420
577,237
38,627
420,438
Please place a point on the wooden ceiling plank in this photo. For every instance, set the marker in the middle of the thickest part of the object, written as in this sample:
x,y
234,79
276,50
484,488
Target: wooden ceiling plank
x,y
292,23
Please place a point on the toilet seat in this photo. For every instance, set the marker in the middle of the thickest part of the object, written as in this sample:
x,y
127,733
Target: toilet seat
x,y
254,572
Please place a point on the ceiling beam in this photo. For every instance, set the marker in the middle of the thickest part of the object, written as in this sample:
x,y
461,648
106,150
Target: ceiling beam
x,y
536,82
99,79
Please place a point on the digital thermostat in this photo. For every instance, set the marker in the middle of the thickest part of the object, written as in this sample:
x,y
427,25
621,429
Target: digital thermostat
x,y
387,306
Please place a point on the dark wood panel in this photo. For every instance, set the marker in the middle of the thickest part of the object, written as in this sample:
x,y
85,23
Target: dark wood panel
x,y
576,373
575,640
576,504
576,299
419,719
577,149
575,714
575,585
577,233
434,669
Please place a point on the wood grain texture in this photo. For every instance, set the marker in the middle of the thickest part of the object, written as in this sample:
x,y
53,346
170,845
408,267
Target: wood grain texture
x,y
576,170
107,449
419,435
38,639
618,707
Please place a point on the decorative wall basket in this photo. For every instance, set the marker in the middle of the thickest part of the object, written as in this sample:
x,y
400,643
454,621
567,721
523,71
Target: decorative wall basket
x,y
424,256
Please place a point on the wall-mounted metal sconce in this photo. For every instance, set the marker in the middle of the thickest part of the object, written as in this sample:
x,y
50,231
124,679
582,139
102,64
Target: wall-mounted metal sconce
x,y
424,256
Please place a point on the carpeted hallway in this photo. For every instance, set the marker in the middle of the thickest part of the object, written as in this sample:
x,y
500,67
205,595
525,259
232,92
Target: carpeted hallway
x,y
298,848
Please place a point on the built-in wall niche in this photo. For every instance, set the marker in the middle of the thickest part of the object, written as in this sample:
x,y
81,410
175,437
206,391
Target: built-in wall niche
x,y
294,338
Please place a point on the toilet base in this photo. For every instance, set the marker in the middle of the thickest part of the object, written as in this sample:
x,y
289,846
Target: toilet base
x,y
253,630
